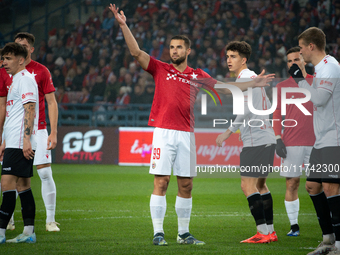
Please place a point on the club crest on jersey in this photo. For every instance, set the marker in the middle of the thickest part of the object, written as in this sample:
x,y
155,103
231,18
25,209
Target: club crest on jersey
x,y
153,165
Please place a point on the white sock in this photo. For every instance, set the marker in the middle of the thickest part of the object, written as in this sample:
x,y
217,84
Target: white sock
x,y
270,228
28,230
337,245
48,192
292,208
2,232
263,229
183,209
157,209
329,238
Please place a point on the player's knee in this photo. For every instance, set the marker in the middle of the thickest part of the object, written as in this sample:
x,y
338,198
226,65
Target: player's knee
x,y
313,188
292,185
45,173
330,189
186,187
161,185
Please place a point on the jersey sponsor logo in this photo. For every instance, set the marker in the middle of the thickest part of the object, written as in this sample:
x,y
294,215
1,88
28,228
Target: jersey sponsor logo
x,y
77,146
29,94
326,83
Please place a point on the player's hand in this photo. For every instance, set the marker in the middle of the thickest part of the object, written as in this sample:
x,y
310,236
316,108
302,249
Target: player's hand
x,y
296,73
27,149
222,137
281,148
51,141
120,17
2,150
263,80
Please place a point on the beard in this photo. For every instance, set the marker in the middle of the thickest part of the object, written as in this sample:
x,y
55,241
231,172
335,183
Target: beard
x,y
178,61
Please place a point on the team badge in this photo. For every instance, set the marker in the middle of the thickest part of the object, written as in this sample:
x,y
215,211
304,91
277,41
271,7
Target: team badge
x,y
153,165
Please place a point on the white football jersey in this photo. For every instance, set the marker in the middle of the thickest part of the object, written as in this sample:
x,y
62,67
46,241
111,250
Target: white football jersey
x,y
23,89
326,118
256,129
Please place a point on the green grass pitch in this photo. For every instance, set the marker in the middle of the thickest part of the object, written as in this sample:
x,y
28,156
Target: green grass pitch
x,y
105,210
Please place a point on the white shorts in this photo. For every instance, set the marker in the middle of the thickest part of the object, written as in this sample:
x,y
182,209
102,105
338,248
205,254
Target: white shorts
x,y
173,149
291,166
42,155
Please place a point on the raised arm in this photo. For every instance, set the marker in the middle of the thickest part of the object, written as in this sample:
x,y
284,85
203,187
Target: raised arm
x,y
28,128
53,116
141,56
260,81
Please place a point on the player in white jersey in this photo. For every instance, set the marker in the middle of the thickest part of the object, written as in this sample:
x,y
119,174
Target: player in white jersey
x,y
17,149
45,142
258,146
323,181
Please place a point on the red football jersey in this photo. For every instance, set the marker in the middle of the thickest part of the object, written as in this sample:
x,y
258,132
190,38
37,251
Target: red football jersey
x,y
45,86
175,95
5,82
303,133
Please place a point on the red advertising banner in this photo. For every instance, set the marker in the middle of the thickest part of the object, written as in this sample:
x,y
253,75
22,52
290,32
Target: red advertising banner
x,y
135,145
87,145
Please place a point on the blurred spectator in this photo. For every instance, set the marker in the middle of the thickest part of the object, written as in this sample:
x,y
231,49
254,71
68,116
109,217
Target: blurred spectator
x,y
98,90
112,89
50,62
77,82
93,20
57,78
62,97
108,22
84,98
330,32
123,97
128,81
90,77
71,74
69,64
148,94
137,96
60,50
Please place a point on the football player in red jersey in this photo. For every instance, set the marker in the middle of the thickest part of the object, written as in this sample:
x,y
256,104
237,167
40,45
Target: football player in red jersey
x,y
173,144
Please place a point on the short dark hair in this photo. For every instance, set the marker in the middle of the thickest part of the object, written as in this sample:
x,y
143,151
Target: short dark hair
x,y
14,48
242,48
24,35
314,35
293,50
186,40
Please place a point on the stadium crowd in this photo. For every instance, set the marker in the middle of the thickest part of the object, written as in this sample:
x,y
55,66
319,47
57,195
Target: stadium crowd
x,y
93,61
